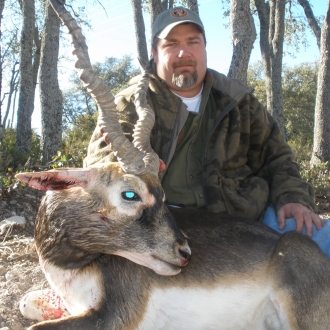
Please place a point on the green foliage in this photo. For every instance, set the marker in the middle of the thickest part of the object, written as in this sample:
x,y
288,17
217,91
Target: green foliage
x,y
61,159
76,139
299,93
256,80
13,161
8,182
10,157
318,176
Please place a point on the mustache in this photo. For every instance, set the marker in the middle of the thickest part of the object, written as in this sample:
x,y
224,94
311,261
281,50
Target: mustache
x,y
183,62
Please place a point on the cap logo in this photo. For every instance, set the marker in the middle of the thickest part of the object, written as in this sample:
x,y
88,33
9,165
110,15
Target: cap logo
x,y
179,12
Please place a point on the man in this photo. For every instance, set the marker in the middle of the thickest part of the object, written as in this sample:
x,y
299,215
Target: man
x,y
223,151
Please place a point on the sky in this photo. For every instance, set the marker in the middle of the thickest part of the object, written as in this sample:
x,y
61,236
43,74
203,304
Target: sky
x,y
112,34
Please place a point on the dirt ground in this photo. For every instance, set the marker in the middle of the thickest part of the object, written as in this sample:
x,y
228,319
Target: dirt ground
x,y
19,268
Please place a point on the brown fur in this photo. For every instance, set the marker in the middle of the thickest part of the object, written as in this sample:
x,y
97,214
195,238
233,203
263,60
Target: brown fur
x,y
226,251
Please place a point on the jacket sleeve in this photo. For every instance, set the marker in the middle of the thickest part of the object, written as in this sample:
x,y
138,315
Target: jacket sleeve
x,y
271,158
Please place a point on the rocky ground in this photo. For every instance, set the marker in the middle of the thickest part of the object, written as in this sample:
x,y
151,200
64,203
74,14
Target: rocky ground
x,y
19,268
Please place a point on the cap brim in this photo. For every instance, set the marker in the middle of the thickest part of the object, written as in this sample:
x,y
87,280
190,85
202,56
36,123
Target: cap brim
x,y
164,33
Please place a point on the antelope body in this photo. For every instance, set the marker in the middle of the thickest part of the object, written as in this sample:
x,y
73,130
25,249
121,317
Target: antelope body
x,y
242,275
117,258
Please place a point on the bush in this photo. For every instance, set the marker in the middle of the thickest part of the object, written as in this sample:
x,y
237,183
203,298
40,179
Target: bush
x,y
67,160
11,158
318,176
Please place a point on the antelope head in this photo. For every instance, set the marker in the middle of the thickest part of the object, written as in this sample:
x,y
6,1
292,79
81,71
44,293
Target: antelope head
x,y
114,208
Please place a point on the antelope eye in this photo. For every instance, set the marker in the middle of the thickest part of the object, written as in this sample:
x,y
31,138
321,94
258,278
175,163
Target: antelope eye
x,y
130,196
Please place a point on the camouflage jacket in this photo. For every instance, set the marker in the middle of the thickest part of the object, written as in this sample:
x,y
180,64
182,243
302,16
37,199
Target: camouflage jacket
x,y
247,164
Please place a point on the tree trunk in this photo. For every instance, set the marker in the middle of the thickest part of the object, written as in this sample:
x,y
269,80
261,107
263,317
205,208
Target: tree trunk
x,y
12,87
243,37
14,106
26,93
271,16
2,6
50,94
36,57
321,146
193,5
155,8
140,33
311,20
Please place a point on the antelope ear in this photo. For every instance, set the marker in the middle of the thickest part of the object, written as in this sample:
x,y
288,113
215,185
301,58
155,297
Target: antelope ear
x,y
57,179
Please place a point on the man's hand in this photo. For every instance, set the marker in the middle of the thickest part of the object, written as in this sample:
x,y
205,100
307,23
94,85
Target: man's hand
x,y
302,215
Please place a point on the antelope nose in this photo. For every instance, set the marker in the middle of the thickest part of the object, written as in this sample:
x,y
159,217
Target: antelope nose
x,y
185,254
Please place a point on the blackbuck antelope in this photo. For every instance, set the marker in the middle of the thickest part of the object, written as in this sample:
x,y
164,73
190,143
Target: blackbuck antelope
x,y
105,240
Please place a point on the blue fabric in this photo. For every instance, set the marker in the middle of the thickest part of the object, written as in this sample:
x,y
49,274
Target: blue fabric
x,y
321,237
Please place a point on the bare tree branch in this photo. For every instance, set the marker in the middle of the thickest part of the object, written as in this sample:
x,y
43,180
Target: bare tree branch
x,y
314,25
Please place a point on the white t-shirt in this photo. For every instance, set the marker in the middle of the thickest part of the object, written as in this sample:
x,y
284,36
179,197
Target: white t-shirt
x,y
192,103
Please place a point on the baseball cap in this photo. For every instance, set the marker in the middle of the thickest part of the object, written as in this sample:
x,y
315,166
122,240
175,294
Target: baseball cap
x,y
170,18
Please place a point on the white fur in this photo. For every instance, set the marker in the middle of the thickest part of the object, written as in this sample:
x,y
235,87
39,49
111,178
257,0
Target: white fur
x,y
240,307
157,265
247,305
80,290
130,183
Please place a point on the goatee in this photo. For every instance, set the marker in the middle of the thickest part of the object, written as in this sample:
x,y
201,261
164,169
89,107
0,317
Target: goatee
x,y
184,80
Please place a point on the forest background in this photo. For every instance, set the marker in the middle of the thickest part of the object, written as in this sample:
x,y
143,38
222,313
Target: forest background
x,y
275,46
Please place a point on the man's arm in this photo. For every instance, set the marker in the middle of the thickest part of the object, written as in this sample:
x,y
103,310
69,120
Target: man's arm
x,y
273,159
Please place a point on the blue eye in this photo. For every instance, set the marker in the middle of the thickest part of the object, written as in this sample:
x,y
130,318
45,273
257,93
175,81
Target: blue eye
x,y
130,196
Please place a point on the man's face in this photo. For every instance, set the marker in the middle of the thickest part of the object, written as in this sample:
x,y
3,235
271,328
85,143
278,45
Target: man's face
x,y
181,59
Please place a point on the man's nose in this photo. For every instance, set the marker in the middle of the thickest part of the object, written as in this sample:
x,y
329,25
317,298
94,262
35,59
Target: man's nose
x,y
184,52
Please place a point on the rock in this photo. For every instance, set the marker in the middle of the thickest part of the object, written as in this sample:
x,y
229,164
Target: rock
x,y
9,276
3,270
15,325
15,221
23,286
13,202
30,196
13,256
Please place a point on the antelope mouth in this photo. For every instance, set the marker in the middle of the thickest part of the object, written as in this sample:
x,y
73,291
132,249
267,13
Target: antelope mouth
x,y
158,265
